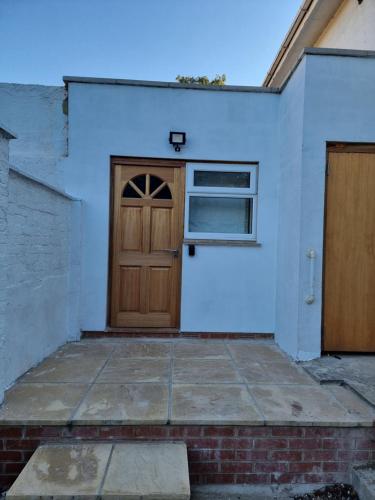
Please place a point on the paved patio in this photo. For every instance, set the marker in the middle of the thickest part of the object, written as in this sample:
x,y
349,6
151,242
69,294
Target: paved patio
x,y
180,381
354,371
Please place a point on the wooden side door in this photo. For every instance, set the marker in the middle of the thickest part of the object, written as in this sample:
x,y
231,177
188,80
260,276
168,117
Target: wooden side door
x,y
349,278
147,232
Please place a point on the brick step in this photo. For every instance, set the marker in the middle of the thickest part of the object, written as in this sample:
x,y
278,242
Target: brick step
x,y
363,479
105,470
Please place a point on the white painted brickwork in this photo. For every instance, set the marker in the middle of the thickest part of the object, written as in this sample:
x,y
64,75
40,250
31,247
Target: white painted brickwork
x,y
39,232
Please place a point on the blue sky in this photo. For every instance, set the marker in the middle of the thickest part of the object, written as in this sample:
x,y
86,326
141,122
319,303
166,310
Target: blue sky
x,y
41,40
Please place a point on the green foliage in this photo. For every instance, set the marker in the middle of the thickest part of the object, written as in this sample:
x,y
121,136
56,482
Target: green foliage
x,y
202,80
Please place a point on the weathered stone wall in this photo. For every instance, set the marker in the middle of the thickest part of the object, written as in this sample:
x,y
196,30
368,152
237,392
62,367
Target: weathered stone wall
x,y
39,282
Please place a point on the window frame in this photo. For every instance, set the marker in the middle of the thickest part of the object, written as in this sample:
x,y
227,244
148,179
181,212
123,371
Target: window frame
x,y
222,192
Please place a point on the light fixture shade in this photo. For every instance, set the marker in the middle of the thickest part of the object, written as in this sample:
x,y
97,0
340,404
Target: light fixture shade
x,y
177,139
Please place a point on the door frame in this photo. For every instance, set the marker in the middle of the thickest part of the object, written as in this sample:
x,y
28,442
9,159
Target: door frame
x,y
139,162
336,147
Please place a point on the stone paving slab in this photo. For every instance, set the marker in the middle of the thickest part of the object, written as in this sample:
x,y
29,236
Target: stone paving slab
x,y
148,471
131,471
125,404
217,403
57,471
118,370
149,381
73,370
190,371
39,404
364,481
357,371
304,405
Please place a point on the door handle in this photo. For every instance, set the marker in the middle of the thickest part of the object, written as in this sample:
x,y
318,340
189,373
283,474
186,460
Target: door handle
x,y
174,251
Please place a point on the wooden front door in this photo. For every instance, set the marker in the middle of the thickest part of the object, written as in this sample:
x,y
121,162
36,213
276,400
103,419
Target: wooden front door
x,y
349,279
147,233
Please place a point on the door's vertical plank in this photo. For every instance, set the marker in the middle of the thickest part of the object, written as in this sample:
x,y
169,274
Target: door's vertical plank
x,y
116,243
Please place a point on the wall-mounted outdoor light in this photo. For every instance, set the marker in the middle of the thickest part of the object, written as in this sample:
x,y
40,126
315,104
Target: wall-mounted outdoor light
x,y
177,139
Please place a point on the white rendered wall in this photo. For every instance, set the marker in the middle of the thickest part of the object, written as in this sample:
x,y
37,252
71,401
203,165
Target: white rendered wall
x,y
328,99
339,106
352,27
223,288
35,113
291,122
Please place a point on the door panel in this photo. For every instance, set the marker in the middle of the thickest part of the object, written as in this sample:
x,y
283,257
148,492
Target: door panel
x,y
161,229
349,278
131,228
147,226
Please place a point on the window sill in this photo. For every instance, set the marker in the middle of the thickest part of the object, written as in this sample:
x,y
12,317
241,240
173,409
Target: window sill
x,y
223,243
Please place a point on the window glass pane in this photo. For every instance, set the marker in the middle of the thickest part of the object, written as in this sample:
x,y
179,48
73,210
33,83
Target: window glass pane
x,y
220,215
210,178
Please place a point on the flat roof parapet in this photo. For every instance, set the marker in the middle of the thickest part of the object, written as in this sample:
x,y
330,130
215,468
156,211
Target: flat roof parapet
x,y
169,85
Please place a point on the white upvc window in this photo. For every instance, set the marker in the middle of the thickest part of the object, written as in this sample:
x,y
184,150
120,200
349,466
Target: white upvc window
x,y
221,201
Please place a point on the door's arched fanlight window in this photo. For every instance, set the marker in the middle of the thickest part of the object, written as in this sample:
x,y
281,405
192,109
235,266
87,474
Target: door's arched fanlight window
x,y
147,186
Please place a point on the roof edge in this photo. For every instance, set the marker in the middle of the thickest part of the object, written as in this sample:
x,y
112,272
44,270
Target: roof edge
x,y
300,26
169,85
7,133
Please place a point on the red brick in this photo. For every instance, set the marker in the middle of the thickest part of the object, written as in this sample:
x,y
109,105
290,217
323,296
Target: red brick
x,y
13,468
305,444
286,478
237,467
218,431
319,455
196,479
22,444
338,444
10,432
251,455
193,431
82,432
271,467
335,466
116,432
27,455
177,432
203,467
202,443
151,432
320,432
271,444
220,479
287,431
6,480
365,444
43,431
254,431
353,455
252,478
11,456
288,456
302,467
234,444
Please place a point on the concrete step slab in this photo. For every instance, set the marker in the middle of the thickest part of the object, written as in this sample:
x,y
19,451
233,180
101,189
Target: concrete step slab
x,y
129,471
363,479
